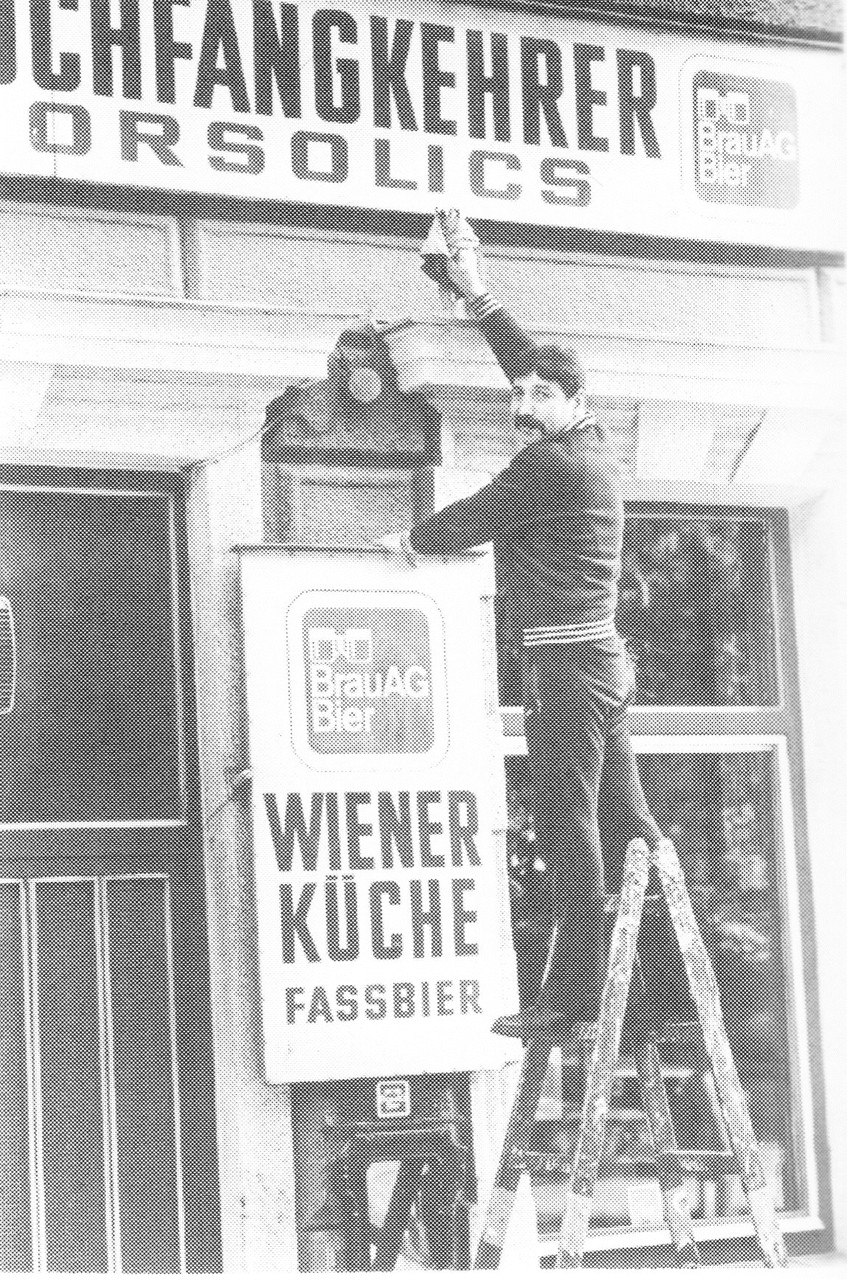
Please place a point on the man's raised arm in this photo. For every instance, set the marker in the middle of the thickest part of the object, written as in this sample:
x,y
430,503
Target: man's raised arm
x,y
451,257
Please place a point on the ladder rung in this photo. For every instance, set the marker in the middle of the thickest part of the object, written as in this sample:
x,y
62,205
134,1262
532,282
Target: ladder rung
x,y
555,1138
714,1163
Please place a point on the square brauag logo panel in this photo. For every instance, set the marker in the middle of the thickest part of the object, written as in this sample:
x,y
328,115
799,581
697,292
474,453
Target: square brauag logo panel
x,y
367,677
393,1099
746,149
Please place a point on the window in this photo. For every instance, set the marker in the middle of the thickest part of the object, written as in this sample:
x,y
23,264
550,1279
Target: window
x,y
705,611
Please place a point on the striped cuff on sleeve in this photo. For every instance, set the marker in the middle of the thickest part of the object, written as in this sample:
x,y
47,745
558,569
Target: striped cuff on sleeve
x,y
482,306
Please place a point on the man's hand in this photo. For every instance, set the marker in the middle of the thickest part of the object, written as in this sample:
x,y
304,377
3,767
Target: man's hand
x,y
399,544
451,255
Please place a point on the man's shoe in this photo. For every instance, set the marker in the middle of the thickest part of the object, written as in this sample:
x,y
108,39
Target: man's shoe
x,y
529,1022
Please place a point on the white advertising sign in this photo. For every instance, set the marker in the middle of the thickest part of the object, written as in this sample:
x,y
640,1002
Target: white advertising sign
x,y
382,904
512,116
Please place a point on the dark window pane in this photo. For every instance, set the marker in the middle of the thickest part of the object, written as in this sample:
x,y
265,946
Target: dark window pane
x,y
15,1205
69,1043
696,610
94,735
144,1075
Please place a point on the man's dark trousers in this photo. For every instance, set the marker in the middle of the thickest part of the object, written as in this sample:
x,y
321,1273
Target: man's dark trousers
x,y
580,757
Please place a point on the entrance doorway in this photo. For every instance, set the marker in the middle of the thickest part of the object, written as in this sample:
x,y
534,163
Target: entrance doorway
x,y
108,1157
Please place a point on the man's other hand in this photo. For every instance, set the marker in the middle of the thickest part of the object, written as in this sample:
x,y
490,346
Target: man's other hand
x,y
399,544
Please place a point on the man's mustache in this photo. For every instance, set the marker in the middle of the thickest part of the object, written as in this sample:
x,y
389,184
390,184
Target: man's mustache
x,y
526,425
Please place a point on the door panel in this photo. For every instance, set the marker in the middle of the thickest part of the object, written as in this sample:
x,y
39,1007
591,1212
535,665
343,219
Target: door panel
x,y
94,733
108,1157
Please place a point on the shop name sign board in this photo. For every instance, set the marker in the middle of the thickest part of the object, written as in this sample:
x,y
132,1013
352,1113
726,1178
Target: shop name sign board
x,y
381,900
517,117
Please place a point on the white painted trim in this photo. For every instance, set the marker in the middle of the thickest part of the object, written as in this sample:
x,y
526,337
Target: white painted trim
x,y
36,1200
792,949
714,1229
107,1079
37,1146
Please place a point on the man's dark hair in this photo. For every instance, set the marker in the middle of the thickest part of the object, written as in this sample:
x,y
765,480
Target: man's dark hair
x,y
561,365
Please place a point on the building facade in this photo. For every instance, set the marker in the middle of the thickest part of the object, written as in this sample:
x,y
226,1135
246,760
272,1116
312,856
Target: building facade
x,y
193,212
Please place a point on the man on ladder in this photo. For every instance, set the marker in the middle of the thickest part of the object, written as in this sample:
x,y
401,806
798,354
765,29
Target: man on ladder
x,y
555,516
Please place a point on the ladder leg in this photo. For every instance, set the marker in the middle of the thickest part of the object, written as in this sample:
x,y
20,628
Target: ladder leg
x,y
604,1057
654,1095
671,1172
704,990
504,1190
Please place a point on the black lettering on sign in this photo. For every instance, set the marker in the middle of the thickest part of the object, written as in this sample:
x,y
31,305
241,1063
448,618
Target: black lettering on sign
x,y
319,1009
293,923
383,950
382,168
159,133
126,36
333,831
167,48
469,995
461,917
404,1000
294,1003
388,69
558,172
435,166
42,125
587,97
356,861
462,833
346,110
435,78
495,86
375,1001
219,38
478,163
276,58
301,159
283,836
428,828
541,97
224,137
632,105
346,1004
67,78
431,918
350,949
395,828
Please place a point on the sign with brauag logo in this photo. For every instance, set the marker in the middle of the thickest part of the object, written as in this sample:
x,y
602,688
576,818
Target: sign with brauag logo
x,y
540,118
367,677
746,145
381,881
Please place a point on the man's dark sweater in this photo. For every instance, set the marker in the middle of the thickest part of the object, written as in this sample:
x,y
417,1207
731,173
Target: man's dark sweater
x,y
554,515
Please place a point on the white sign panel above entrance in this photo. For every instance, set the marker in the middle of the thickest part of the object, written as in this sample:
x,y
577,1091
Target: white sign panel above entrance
x,y
381,886
512,116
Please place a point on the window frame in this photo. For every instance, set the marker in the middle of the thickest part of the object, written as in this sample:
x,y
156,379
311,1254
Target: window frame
x,y
778,728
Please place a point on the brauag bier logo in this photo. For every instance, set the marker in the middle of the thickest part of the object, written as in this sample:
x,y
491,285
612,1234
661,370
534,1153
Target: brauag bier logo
x,y
371,680
745,140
